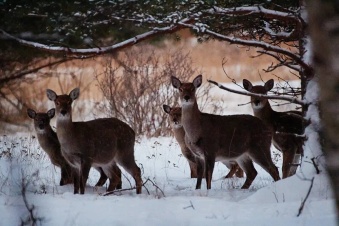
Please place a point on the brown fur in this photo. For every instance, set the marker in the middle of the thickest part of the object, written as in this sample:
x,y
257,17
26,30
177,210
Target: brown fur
x,y
233,138
99,143
179,134
283,125
49,142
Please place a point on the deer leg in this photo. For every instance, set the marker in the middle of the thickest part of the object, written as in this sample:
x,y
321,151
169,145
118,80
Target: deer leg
x,y
115,178
84,172
136,173
191,161
193,168
288,157
66,174
129,165
200,172
114,174
265,161
76,180
246,165
233,169
63,179
239,173
117,173
209,166
102,179
293,165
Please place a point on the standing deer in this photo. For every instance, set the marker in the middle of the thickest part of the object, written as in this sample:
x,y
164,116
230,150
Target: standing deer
x,y
49,142
179,134
100,143
284,125
232,138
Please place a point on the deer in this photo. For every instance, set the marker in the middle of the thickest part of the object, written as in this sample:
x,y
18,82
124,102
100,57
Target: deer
x,y
239,139
103,142
179,134
286,126
49,142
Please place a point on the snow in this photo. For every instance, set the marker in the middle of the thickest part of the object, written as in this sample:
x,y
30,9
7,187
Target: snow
x,y
173,201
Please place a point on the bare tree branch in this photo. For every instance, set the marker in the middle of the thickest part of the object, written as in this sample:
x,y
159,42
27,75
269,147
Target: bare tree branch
x,y
102,50
253,43
290,99
250,10
21,74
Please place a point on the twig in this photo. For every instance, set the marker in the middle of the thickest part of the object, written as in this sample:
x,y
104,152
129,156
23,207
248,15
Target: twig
x,y
132,188
304,201
223,68
190,206
315,165
275,196
244,104
155,186
118,190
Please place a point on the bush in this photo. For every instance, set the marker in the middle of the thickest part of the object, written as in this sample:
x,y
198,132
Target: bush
x,y
136,83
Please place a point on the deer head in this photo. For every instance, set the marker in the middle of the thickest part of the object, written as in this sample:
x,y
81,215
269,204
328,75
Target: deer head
x,y
41,120
175,116
187,90
257,102
63,103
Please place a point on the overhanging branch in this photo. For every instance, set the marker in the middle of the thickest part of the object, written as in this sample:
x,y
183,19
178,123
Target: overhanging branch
x,y
250,10
102,50
289,99
252,43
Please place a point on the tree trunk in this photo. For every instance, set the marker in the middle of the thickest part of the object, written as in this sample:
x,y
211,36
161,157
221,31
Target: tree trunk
x,y
324,29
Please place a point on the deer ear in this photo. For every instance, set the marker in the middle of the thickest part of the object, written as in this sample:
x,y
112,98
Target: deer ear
x,y
51,94
74,94
269,85
31,113
247,85
51,113
175,82
197,81
166,108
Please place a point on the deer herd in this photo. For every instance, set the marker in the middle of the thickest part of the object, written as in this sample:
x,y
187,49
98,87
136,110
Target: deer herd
x,y
234,140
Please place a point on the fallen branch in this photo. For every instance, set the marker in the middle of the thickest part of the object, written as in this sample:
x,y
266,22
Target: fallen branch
x,y
304,201
190,206
290,99
315,165
133,188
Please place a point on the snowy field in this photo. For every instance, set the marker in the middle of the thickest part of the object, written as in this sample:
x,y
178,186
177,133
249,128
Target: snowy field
x,y
168,196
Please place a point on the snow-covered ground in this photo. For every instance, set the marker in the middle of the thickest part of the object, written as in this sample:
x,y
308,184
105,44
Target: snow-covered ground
x,y
168,198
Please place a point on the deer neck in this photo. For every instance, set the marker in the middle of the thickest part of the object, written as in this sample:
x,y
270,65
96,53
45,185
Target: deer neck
x,y
179,134
191,121
266,113
47,138
65,128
